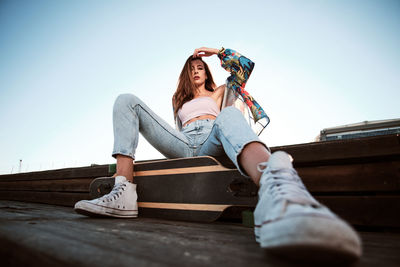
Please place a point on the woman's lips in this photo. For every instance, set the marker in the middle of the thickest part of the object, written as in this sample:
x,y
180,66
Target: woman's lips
x,y
196,77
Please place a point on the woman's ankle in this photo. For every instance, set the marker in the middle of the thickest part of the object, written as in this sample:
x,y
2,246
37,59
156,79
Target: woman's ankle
x,y
127,176
124,167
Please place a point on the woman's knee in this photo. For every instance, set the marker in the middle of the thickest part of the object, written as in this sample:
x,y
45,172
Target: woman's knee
x,y
232,120
125,100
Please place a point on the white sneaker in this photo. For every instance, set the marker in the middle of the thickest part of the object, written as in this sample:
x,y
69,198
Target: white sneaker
x,y
121,202
288,219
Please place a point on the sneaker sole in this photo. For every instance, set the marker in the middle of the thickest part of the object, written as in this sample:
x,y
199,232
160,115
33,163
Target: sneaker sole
x,y
311,238
93,210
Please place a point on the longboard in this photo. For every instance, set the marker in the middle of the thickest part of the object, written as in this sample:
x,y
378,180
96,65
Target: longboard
x,y
192,189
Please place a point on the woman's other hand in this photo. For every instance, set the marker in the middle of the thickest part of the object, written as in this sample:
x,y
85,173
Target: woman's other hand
x,y
205,52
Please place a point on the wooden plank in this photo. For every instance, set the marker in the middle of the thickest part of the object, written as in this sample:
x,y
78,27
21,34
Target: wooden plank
x,y
67,173
67,185
54,198
344,151
361,177
380,211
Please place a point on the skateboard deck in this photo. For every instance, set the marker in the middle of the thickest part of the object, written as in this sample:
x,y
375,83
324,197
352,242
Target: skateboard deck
x,y
192,189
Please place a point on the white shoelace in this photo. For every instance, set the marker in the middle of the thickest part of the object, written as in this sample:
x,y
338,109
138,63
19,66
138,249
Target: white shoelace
x,y
285,184
115,193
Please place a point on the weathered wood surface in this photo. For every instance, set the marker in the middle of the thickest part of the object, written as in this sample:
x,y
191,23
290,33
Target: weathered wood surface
x,y
56,185
54,198
44,235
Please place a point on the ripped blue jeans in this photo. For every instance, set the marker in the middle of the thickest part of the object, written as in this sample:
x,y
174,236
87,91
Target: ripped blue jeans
x,y
228,134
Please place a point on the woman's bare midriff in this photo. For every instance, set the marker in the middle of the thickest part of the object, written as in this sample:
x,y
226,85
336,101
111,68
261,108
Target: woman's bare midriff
x,y
203,117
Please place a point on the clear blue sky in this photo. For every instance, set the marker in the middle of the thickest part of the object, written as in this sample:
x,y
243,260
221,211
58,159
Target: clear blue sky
x,y
319,64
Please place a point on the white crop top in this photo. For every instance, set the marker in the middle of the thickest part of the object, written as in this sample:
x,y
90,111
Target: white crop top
x,y
198,107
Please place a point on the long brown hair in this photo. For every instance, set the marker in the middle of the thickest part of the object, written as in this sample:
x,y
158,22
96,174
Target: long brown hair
x,y
186,88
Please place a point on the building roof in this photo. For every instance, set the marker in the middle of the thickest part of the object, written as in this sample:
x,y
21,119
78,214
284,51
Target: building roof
x,y
365,125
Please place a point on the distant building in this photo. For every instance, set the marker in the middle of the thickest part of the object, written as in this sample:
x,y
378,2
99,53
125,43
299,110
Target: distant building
x,y
361,129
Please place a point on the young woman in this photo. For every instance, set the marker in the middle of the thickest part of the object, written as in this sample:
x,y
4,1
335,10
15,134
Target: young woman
x,y
286,215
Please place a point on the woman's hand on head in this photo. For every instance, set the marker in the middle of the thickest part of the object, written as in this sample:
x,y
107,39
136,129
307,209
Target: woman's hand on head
x,y
205,52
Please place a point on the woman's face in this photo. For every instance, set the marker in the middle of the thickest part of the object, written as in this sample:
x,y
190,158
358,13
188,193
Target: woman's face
x,y
199,75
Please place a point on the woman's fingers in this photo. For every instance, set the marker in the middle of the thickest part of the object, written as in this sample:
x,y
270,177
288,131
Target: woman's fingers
x,y
202,52
198,52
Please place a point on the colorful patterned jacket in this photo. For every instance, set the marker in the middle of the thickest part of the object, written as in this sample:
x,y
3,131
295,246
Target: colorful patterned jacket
x,y
240,68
